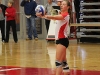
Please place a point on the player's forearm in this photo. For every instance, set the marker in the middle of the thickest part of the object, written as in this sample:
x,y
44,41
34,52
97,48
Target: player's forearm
x,y
49,17
55,17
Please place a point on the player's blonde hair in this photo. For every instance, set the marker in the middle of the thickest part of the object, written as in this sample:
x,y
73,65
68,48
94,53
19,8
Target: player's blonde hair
x,y
69,9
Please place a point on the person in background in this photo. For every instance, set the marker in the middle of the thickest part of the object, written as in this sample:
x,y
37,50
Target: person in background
x,y
10,14
59,2
29,9
2,20
77,9
48,8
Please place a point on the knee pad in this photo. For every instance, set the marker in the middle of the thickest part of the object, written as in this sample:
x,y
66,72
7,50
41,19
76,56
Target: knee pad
x,y
65,67
64,63
58,64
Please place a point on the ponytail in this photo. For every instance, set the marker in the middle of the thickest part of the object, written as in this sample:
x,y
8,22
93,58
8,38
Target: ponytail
x,y
69,10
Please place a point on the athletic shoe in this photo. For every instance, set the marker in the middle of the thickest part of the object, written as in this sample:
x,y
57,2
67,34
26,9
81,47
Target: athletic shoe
x,y
28,39
36,39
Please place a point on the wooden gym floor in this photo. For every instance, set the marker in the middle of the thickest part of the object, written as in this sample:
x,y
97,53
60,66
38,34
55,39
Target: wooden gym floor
x,y
38,58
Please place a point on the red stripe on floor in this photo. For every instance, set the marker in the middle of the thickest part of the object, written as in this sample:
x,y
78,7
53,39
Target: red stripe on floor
x,y
41,71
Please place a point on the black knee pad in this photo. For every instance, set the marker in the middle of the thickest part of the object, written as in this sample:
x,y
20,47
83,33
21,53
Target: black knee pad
x,y
65,67
64,63
58,64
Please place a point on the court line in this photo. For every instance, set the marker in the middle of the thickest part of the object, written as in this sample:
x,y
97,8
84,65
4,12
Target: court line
x,y
10,69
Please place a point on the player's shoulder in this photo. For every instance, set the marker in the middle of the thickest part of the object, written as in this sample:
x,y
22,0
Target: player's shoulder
x,y
65,14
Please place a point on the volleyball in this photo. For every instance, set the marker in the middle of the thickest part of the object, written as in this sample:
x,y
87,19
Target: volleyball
x,y
40,8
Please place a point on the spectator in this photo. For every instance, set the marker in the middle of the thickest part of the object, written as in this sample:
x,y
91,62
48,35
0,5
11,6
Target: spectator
x,y
11,13
59,2
2,20
29,9
48,9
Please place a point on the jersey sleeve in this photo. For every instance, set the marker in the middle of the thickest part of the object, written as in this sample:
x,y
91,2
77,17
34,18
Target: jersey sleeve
x,y
65,16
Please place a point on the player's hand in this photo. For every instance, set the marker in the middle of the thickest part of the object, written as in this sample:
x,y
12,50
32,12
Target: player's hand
x,y
39,14
45,17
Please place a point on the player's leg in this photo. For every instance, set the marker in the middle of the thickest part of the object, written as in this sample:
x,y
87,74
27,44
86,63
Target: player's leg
x,y
65,66
60,52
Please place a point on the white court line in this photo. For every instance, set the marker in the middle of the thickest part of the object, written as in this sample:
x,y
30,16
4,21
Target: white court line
x,y
9,69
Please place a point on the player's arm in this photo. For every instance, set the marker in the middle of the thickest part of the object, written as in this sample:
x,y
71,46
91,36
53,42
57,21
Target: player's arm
x,y
55,17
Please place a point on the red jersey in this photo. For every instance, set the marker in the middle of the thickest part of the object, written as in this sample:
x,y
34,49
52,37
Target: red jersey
x,y
61,30
11,13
